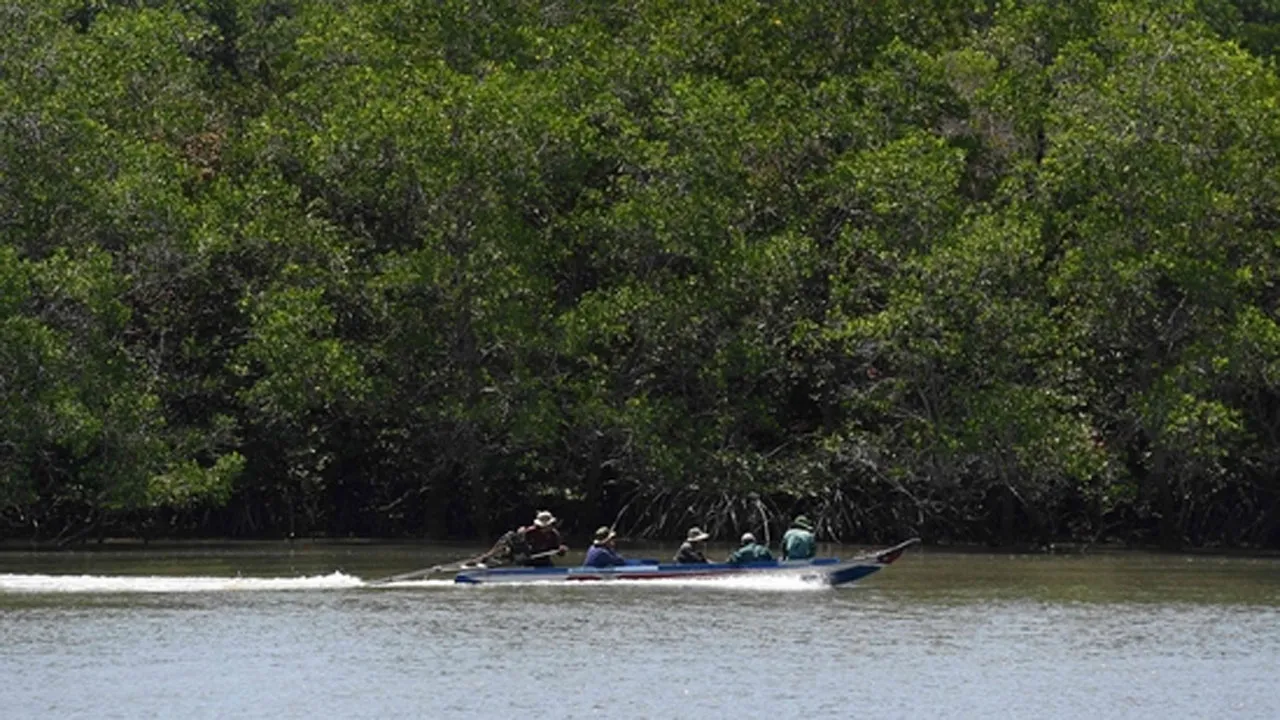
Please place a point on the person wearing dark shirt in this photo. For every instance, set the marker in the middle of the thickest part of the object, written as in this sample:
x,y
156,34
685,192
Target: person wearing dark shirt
x,y
603,552
692,552
541,540
508,550
750,552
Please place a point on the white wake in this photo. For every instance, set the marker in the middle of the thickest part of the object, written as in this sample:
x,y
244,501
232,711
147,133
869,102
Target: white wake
x,y
90,584
165,584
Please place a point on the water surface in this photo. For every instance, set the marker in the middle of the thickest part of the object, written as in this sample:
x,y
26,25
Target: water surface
x,y
295,632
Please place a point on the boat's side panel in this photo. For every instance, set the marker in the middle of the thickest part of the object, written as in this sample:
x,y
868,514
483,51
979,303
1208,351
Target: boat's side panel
x,y
850,573
649,572
623,572
511,575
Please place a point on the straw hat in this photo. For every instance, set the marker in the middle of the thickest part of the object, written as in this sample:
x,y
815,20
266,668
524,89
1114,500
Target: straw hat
x,y
604,534
696,535
544,519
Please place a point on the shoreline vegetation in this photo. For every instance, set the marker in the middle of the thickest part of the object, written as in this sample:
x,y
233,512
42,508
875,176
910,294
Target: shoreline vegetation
x,y
1001,274
580,544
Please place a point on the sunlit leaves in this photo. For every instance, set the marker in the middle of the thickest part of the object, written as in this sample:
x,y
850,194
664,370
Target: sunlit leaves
x,y
415,264
299,364
906,188
188,484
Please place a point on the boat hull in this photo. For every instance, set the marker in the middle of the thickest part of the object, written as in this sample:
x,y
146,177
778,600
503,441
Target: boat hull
x,y
824,571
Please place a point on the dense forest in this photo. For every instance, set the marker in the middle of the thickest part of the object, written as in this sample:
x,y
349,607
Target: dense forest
x,y
980,271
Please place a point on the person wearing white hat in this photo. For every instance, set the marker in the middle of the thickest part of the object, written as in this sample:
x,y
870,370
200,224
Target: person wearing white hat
x,y
541,541
531,545
750,552
692,551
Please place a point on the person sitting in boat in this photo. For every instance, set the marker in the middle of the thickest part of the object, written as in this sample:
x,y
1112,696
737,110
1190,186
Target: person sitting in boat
x,y
541,540
750,551
604,552
510,549
799,543
504,552
692,552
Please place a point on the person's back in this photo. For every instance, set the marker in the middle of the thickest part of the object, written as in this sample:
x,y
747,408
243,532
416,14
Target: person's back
x,y
690,553
799,543
510,549
750,552
600,556
602,553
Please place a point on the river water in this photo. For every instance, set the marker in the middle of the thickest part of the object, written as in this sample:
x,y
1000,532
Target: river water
x,y
276,631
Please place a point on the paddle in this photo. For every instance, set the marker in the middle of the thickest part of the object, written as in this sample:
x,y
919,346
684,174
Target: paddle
x,y
425,571
452,567
543,554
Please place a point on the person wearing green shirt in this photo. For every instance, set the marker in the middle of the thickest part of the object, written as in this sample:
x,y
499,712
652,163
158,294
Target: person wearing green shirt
x,y
750,552
798,543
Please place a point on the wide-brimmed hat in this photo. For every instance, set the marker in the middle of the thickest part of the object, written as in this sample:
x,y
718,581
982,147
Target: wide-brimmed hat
x,y
544,519
604,534
696,535
802,522
748,538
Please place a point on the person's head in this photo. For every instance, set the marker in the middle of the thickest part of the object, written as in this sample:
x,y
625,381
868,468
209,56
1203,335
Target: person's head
x,y
544,520
696,535
748,539
802,522
604,535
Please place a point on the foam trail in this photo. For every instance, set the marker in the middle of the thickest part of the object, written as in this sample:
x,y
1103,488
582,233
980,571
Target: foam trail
x,y
162,584
103,584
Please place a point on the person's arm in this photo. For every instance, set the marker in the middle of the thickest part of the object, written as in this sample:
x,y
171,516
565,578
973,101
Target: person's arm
x,y
501,548
683,554
497,548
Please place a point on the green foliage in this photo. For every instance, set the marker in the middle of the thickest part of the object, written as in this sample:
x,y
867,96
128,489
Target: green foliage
x,y
983,271
298,365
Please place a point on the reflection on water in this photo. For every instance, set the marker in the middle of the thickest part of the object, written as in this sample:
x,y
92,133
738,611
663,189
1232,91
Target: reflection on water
x,y
265,631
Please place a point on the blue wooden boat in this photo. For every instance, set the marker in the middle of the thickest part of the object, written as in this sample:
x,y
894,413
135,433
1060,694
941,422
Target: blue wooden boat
x,y
824,571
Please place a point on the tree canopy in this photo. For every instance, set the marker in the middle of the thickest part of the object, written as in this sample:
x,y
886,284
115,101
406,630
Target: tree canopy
x,y
982,271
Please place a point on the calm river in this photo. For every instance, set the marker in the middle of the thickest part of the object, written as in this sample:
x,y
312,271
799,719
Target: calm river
x,y
276,631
